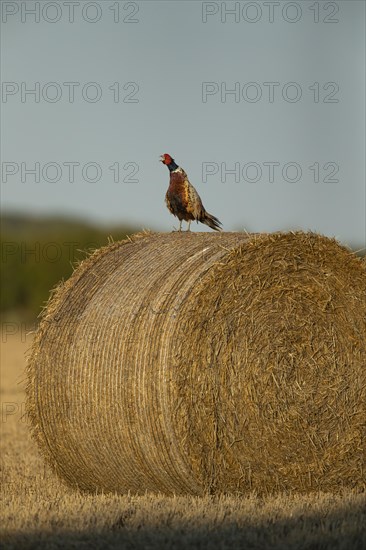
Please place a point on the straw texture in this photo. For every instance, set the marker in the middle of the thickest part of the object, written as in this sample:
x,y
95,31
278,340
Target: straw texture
x,y
191,363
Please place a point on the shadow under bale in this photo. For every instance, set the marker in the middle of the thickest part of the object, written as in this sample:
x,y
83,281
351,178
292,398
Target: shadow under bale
x,y
192,363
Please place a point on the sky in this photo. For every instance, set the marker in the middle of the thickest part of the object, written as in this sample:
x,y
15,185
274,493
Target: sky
x,y
262,103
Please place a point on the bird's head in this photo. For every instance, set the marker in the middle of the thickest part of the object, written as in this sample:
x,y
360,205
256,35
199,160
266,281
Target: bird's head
x,y
166,159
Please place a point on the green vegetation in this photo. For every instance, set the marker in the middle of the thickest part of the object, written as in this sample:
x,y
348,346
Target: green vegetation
x,y
37,253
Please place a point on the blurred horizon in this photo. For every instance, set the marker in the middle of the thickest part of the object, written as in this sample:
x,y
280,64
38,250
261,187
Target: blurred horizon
x,y
69,219
39,252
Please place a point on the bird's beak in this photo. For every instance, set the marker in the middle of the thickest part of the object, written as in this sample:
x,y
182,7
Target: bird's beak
x,y
161,158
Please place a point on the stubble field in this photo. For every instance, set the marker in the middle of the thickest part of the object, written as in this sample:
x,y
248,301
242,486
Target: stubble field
x,y
38,510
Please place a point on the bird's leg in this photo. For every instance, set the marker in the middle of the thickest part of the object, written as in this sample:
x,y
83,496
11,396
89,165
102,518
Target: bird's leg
x,y
180,225
189,225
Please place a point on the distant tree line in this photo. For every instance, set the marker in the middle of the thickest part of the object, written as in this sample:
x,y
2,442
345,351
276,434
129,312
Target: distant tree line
x,y
37,254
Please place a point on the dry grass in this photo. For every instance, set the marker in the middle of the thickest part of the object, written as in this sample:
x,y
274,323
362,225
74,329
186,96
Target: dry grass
x,y
38,510
205,364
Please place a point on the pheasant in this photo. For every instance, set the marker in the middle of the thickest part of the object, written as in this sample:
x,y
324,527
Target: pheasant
x,y
182,199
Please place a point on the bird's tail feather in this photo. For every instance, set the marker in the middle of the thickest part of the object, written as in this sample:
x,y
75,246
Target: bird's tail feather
x,y
211,221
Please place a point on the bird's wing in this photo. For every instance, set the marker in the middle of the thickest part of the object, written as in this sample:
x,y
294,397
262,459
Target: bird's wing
x,y
192,199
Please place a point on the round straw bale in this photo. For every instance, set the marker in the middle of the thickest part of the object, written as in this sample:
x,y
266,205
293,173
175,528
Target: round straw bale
x,y
193,363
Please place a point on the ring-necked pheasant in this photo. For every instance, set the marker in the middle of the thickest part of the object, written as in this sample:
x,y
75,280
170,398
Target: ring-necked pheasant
x,y
182,199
